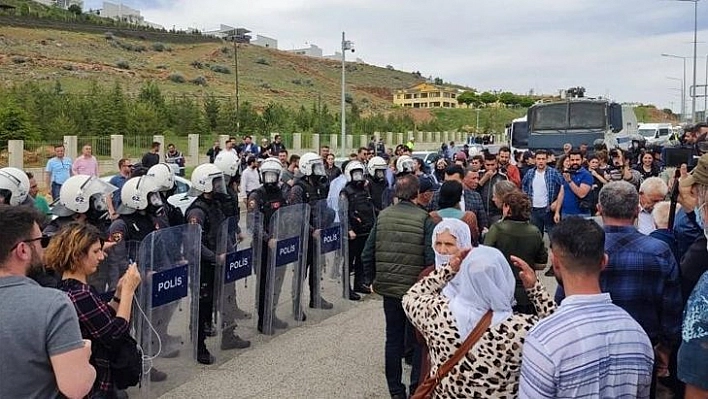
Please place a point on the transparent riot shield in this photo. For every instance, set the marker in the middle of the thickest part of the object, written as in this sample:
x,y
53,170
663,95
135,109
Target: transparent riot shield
x,y
236,284
283,246
330,265
167,316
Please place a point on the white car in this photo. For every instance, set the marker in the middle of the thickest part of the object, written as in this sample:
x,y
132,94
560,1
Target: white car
x,y
179,199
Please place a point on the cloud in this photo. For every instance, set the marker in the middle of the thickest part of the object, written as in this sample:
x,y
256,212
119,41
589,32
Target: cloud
x,y
610,47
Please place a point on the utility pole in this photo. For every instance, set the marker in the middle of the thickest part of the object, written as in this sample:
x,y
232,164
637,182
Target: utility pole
x,y
240,36
346,45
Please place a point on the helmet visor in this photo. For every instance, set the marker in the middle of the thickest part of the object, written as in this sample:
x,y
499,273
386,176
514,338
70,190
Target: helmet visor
x,y
318,169
357,175
270,177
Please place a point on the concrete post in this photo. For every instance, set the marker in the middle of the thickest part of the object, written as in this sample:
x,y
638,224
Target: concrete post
x,y
389,140
446,137
116,147
437,137
419,137
297,142
223,138
350,143
71,146
16,154
332,144
316,143
193,149
160,139
399,139
363,140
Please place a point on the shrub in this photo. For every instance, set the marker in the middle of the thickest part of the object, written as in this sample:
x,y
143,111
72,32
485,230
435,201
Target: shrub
x,y
67,67
19,59
199,81
265,85
162,66
176,78
123,64
220,69
296,82
225,50
197,64
262,61
159,47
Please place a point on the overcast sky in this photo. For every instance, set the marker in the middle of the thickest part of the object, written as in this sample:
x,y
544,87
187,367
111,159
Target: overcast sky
x,y
610,47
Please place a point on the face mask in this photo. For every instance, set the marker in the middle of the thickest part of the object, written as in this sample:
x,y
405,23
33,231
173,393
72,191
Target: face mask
x,y
699,217
98,202
155,200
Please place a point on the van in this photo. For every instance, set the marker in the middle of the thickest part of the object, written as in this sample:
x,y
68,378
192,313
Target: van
x,y
655,132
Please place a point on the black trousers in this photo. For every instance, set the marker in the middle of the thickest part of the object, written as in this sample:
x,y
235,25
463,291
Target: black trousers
x,y
206,301
356,247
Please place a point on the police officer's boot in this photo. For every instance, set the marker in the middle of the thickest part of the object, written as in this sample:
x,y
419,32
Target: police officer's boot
x,y
229,340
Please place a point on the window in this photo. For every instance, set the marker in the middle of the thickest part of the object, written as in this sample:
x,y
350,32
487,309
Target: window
x,y
423,95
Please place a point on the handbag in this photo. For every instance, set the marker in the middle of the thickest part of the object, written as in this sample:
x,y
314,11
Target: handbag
x,y
425,390
126,363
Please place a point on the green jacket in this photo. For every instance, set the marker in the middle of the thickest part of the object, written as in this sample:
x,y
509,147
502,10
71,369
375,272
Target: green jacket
x,y
400,246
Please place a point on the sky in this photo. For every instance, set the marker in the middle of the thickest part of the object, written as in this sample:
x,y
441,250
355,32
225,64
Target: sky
x,y
612,48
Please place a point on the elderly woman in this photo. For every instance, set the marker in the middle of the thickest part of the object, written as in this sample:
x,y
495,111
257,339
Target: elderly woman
x,y
446,306
515,235
75,252
449,204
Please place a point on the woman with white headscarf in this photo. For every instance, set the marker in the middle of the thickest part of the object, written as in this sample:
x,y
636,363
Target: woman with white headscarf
x,y
446,306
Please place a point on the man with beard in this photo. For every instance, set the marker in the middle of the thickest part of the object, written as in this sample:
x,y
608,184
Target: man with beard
x,y
41,337
576,186
506,168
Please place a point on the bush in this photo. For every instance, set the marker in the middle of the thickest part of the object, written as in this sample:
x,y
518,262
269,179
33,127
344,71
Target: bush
x,y
225,50
177,78
67,67
159,47
123,64
162,66
19,59
262,61
220,69
265,85
199,81
196,64
296,82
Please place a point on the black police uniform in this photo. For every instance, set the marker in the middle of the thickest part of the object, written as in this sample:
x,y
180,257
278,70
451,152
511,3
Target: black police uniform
x,y
362,218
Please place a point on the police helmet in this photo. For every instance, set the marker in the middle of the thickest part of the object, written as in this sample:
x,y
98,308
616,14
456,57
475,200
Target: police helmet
x,y
14,184
354,171
311,164
405,164
270,171
228,162
163,176
137,193
207,178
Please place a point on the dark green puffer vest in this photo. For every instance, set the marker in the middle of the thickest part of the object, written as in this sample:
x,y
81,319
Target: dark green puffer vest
x,y
400,248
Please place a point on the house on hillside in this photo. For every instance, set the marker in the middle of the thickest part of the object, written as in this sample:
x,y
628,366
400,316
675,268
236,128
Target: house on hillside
x,y
312,51
264,41
426,95
123,13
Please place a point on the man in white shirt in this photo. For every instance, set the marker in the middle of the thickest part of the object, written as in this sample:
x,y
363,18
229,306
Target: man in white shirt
x,y
652,191
543,185
570,354
250,180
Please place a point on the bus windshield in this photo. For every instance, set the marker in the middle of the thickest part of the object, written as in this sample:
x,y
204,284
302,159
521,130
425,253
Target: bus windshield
x,y
519,134
570,116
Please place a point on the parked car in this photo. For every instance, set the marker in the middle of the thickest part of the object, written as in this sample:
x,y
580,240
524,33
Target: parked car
x,y
429,158
179,199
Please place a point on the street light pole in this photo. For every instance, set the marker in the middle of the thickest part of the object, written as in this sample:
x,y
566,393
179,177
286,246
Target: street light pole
x,y
683,95
240,36
346,45
695,45
683,85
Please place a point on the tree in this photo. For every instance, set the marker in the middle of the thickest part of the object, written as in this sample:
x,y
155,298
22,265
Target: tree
x,y
14,123
211,111
75,9
468,97
509,98
488,98
438,81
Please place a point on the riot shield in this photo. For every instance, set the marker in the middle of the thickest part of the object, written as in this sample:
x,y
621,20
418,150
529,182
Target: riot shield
x,y
283,258
236,286
330,265
167,312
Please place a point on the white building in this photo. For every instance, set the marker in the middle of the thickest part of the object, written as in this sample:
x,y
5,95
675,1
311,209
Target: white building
x,y
265,41
122,13
65,4
312,51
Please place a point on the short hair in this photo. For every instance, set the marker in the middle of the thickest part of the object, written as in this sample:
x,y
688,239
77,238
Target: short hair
x,y
294,159
654,185
122,162
619,200
504,187
478,157
541,152
575,152
30,175
450,194
660,214
155,144
277,136
505,149
248,136
68,247
58,146
490,157
18,222
170,145
323,147
580,245
407,187
283,151
365,149
519,204
455,169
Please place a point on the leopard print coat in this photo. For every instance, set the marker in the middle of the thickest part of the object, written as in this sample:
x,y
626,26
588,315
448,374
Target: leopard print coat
x,y
491,368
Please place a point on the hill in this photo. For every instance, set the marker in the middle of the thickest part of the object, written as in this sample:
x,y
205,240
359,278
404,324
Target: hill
x,y
265,75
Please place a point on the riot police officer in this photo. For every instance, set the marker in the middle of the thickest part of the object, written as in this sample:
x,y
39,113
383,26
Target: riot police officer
x,y
206,210
377,181
362,217
267,199
404,165
311,188
164,177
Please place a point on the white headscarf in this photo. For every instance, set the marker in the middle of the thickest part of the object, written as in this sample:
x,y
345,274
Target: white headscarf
x,y
485,281
461,231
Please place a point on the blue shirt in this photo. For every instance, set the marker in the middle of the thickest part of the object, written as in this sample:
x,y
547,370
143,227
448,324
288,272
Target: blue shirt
x,y
643,278
571,355
118,181
693,353
570,200
59,169
554,181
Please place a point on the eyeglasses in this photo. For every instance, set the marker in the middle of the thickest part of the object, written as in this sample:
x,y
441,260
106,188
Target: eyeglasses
x,y
44,241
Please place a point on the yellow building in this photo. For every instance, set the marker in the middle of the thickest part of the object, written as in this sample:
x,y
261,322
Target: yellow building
x,y
426,95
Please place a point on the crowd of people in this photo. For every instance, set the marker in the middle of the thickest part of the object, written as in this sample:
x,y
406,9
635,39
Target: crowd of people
x,y
452,247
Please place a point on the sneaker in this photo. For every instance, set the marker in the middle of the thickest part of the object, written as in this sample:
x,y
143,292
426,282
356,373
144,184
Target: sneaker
x,y
323,304
353,296
157,375
362,289
231,341
279,324
204,357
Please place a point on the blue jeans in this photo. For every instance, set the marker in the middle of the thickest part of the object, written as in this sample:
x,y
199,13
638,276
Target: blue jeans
x,y
396,323
542,218
56,188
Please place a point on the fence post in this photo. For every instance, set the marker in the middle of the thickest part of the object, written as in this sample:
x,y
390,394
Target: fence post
x,y
315,143
419,137
333,144
193,147
350,143
71,146
16,154
399,139
223,138
116,147
389,140
363,140
160,139
297,141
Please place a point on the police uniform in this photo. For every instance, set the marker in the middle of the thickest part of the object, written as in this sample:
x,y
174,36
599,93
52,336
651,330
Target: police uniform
x,y
267,201
377,188
362,218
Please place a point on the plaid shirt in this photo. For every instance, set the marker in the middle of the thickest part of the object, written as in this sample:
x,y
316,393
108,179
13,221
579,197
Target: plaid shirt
x,y
99,324
473,203
642,277
554,181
